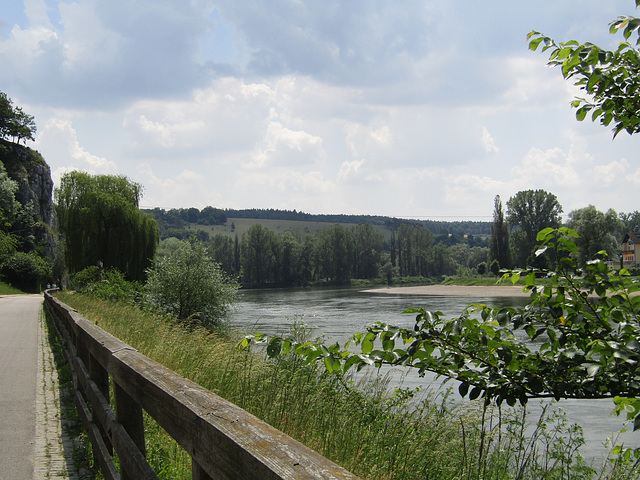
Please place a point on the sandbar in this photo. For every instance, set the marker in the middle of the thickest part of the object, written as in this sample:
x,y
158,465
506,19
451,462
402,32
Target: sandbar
x,y
454,290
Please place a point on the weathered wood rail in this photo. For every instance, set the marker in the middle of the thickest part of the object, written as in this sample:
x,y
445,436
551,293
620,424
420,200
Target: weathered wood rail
x,y
224,441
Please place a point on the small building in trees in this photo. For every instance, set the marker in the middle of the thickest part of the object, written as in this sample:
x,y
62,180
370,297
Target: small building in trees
x,y
631,249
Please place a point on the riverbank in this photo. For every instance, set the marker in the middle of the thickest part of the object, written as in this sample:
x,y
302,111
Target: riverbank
x,y
454,290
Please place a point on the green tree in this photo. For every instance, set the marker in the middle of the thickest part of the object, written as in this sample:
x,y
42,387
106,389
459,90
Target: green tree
x,y
630,222
221,247
414,252
289,258
610,78
596,230
482,268
528,212
494,267
25,270
190,286
8,210
333,250
257,255
499,248
14,122
367,246
101,222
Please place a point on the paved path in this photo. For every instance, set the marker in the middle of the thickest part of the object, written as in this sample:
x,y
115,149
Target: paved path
x,y
31,440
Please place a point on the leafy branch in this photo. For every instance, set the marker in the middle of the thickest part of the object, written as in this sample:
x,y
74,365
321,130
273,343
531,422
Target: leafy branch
x,y
611,78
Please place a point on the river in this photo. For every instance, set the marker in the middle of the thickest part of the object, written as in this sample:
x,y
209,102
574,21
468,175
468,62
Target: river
x,y
338,313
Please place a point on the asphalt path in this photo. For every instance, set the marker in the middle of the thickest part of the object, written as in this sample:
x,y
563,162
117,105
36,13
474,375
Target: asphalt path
x,y
19,324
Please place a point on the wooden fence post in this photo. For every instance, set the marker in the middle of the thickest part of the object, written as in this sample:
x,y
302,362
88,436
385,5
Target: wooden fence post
x,y
129,415
100,377
197,472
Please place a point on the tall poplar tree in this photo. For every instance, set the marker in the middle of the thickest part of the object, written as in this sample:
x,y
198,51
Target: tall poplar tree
x,y
499,244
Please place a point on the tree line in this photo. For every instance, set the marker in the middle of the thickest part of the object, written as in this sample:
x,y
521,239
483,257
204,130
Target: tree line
x,y
180,218
337,254
514,240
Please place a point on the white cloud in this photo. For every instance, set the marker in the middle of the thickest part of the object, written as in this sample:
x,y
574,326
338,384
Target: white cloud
x,y
552,168
367,141
350,169
59,139
609,175
334,106
489,142
36,11
188,189
283,146
229,115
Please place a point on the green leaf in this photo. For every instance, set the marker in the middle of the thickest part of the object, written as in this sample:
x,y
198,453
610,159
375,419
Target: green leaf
x,y
582,113
367,343
463,389
564,53
530,279
274,347
545,234
593,369
475,393
533,44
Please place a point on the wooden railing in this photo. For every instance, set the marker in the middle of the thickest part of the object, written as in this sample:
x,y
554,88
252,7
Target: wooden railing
x,y
224,441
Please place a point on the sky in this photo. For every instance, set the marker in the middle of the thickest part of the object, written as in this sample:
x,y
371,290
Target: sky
x,y
411,109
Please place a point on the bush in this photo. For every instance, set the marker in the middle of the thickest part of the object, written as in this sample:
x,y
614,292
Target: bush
x,y
25,270
190,286
634,272
108,285
494,267
482,268
82,279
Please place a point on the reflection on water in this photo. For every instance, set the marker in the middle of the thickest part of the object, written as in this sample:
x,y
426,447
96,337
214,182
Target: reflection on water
x,y
338,313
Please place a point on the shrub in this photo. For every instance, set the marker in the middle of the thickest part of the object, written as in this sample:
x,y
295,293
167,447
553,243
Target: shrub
x,y
190,286
82,279
25,270
494,267
482,268
108,284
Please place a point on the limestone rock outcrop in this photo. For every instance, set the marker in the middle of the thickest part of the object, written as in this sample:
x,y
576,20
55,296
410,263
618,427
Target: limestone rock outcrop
x,y
35,186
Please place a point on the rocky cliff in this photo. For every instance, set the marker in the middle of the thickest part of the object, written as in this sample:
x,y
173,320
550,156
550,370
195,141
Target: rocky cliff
x,y
35,186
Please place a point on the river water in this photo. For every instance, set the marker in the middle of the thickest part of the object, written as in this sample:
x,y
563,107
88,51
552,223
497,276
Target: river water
x,y
338,313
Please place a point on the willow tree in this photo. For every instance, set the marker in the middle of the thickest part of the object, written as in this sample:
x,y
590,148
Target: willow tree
x,y
101,223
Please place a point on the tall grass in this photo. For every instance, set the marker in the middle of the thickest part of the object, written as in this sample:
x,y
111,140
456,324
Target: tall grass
x,y
374,431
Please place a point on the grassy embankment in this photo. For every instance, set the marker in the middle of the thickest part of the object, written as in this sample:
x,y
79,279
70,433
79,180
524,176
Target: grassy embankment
x,y
6,289
369,431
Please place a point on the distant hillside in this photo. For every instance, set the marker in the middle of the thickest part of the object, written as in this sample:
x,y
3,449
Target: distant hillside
x,y
232,222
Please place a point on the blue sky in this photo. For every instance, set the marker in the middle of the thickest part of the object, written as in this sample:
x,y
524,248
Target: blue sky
x,y
422,109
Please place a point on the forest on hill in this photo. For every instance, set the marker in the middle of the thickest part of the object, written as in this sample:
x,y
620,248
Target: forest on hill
x,y
180,218
267,247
